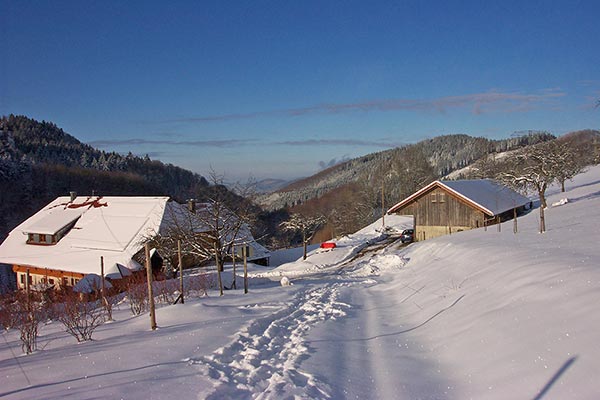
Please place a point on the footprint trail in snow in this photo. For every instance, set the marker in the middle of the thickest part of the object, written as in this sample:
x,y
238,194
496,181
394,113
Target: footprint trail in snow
x,y
263,360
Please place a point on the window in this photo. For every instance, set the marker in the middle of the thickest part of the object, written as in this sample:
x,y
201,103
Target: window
x,y
433,198
23,279
442,197
42,238
51,281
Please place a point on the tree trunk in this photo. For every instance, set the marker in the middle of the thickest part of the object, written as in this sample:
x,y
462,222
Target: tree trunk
x,y
542,220
233,284
304,244
218,271
542,195
562,185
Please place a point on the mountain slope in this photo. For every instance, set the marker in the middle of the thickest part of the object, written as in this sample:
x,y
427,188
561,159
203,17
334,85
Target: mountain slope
x,y
39,161
444,153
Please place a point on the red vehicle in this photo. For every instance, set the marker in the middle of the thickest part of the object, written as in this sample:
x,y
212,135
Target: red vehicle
x,y
328,245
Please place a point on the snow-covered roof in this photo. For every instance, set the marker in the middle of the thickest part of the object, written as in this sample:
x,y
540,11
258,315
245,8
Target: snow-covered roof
x,y
111,227
489,196
54,221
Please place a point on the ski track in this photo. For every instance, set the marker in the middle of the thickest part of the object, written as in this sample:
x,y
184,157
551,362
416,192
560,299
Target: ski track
x,y
263,360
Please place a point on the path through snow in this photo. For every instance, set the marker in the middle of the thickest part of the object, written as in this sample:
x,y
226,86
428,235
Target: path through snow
x,y
264,360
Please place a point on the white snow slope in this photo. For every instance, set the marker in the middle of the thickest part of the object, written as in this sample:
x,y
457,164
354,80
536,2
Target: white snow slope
x,y
475,315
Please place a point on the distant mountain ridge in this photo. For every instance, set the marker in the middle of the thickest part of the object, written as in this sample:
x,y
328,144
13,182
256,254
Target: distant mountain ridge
x,y
445,154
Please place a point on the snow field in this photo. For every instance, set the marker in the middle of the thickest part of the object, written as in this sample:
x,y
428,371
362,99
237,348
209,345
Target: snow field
x,y
475,315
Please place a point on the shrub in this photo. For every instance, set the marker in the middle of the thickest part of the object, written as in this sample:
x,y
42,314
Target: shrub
x,y
137,293
23,312
80,318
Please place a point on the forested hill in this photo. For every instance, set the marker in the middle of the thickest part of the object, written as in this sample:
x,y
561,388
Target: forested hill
x,y
443,154
39,161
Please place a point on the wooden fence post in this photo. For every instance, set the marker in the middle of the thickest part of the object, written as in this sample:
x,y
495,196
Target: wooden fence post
x,y
27,286
102,277
245,269
105,302
180,258
150,294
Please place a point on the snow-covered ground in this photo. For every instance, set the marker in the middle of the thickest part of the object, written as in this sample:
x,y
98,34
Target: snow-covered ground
x,y
475,315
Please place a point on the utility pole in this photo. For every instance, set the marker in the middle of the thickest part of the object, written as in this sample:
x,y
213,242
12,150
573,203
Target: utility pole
x,y
383,202
150,294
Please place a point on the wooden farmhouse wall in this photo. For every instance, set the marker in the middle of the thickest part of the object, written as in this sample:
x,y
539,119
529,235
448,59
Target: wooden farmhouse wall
x,y
438,212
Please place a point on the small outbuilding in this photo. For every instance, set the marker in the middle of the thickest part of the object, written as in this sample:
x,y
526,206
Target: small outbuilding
x,y
445,207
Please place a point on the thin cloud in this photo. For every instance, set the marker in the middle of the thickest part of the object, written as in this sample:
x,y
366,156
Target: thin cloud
x,y
336,142
196,143
479,103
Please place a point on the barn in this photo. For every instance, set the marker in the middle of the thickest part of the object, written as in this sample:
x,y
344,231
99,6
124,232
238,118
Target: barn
x,y
446,207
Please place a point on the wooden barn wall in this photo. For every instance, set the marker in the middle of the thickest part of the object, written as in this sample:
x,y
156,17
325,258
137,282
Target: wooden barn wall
x,y
439,208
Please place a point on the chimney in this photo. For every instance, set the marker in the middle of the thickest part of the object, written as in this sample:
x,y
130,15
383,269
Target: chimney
x,y
192,205
73,196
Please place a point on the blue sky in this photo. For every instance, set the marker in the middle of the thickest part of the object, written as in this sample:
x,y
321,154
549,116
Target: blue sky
x,y
280,89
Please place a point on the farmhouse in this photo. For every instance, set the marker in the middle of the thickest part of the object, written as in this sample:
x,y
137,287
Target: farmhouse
x,y
64,242
445,207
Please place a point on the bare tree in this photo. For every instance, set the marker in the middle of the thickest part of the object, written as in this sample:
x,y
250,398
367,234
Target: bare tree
x,y
305,225
567,161
207,230
532,169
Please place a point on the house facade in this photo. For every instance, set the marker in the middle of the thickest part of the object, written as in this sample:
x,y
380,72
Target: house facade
x,y
446,207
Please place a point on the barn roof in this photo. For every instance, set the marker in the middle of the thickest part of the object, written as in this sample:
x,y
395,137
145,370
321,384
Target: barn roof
x,y
489,196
